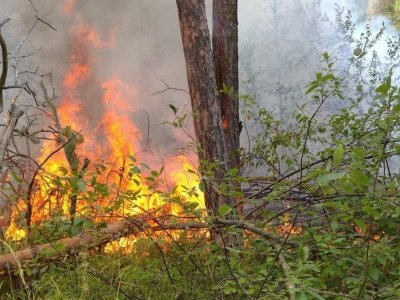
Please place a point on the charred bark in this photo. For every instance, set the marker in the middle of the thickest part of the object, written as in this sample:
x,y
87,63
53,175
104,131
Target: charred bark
x,y
226,59
203,93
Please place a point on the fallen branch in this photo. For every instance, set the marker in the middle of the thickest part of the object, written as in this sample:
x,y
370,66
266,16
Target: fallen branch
x,y
68,245
252,228
115,231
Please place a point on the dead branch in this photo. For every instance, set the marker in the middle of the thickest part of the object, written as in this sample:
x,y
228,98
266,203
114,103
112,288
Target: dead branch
x,y
14,114
3,22
252,228
94,239
168,88
87,240
16,55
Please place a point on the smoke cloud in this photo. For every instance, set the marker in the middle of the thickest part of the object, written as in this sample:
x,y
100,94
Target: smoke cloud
x,y
280,43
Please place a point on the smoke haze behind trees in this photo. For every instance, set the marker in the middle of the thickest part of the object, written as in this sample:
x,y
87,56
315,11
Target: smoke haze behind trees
x,y
280,43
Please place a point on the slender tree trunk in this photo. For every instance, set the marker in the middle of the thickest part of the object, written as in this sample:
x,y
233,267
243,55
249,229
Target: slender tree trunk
x,y
226,59
4,69
203,92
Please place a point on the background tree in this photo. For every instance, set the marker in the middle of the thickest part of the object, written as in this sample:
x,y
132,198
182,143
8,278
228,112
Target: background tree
x,y
226,60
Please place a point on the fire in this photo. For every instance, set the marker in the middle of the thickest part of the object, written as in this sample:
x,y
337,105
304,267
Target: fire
x,y
109,133
69,6
93,38
122,134
185,178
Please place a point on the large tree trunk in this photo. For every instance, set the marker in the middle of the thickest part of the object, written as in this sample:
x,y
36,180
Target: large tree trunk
x,y
225,50
203,92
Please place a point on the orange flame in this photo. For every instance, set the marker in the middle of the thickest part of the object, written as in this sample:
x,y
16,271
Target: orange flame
x,y
69,6
110,134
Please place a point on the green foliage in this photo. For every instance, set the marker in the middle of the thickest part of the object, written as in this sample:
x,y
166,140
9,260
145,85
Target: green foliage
x,y
347,246
390,8
345,162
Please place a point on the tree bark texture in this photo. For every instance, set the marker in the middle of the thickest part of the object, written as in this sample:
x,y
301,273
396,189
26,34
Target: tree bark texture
x,y
203,92
226,59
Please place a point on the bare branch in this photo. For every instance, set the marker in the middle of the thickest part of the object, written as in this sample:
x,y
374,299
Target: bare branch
x,y
14,114
168,88
3,22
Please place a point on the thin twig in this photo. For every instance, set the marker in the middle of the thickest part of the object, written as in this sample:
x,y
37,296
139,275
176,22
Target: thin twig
x,y
168,88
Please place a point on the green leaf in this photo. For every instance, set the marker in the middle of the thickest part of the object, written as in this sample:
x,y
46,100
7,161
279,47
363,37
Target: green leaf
x,y
149,178
358,153
74,230
316,295
300,296
393,184
325,55
347,187
337,156
303,252
202,186
314,173
395,109
15,176
81,185
382,89
57,182
224,209
311,88
360,178
135,170
372,212
327,77
374,274
63,170
360,224
357,51
325,179
59,246
193,205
